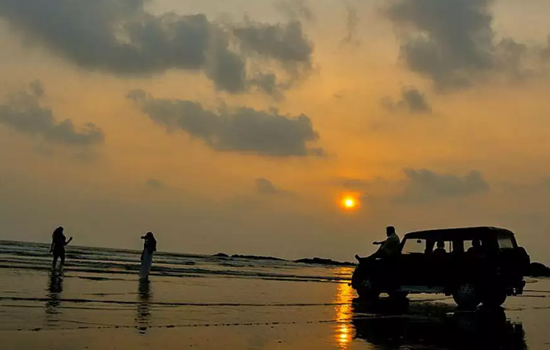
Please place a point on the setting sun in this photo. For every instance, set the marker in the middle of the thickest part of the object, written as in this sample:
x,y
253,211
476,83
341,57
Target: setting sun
x,y
349,202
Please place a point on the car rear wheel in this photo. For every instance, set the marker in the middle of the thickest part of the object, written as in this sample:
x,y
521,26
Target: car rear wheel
x,y
494,298
466,296
367,290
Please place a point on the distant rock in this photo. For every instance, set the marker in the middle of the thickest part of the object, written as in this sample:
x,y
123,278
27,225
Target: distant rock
x,y
254,257
539,270
221,255
321,261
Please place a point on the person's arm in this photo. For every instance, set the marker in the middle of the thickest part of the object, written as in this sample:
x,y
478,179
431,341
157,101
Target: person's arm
x,y
69,241
379,243
51,247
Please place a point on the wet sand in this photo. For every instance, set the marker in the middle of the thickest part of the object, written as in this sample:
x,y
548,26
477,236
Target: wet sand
x,y
90,310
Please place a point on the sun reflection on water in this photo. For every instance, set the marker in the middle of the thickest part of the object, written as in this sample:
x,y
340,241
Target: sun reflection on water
x,y
343,314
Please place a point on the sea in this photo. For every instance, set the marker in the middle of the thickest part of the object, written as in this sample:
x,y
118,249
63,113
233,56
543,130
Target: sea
x,y
210,302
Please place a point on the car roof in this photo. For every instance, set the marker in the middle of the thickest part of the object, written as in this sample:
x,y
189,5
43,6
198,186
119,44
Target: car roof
x,y
460,233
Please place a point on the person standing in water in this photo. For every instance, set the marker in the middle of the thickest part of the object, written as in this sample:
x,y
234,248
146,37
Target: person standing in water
x,y
59,241
149,247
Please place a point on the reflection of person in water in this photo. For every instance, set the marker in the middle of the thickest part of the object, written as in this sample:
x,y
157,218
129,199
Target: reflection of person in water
x,y
54,290
143,307
59,241
428,325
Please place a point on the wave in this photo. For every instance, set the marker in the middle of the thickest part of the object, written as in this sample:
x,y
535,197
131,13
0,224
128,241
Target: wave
x,y
104,261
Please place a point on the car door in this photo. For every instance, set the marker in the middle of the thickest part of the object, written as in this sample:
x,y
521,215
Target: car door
x,y
412,262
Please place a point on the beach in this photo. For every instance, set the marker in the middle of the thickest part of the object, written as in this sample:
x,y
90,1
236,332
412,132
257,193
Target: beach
x,y
207,302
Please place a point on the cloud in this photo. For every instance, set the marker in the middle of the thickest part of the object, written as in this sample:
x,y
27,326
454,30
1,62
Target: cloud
x,y
452,43
283,42
354,183
424,185
268,83
545,52
264,186
120,37
451,40
241,130
295,10
352,21
155,184
23,112
412,100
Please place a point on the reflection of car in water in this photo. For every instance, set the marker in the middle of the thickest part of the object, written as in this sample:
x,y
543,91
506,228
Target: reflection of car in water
x,y
432,326
479,264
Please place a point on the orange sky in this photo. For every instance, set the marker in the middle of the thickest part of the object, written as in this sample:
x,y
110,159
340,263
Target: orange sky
x,y
458,155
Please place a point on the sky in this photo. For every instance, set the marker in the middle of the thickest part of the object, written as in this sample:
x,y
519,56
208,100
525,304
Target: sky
x,y
238,126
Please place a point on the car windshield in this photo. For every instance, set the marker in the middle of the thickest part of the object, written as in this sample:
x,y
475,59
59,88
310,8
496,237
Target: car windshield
x,y
505,242
413,246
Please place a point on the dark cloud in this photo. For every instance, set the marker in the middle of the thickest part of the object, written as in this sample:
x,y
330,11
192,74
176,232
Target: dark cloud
x,y
268,83
120,37
448,41
243,130
23,112
412,100
424,185
451,42
264,186
283,42
510,57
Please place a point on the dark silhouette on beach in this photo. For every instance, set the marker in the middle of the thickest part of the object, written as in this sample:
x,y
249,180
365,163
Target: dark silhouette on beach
x,y
59,241
149,247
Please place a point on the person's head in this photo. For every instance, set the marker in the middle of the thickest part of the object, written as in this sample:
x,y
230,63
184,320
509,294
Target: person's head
x,y
390,230
148,235
440,245
58,231
476,243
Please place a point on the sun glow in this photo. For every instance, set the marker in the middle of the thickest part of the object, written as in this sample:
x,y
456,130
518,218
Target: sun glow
x,y
349,202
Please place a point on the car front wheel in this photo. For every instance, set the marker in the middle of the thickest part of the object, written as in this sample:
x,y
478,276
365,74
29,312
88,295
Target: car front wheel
x,y
367,290
494,298
466,296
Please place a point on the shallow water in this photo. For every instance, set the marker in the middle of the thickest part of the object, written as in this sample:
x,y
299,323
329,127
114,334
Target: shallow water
x,y
211,303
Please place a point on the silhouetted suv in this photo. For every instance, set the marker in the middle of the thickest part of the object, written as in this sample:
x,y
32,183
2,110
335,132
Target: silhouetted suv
x,y
474,265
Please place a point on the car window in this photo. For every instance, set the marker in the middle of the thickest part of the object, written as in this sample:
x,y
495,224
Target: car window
x,y
414,246
505,243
